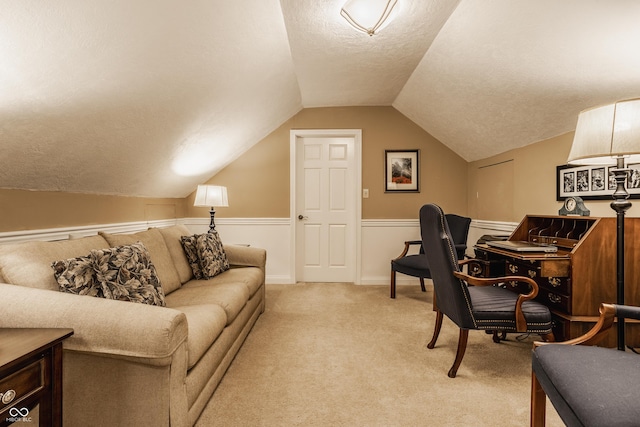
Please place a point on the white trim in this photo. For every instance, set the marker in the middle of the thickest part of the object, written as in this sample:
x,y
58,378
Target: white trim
x,y
64,233
390,223
235,221
494,225
356,134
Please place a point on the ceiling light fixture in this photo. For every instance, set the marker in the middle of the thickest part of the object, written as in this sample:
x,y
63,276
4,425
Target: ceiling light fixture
x,y
368,16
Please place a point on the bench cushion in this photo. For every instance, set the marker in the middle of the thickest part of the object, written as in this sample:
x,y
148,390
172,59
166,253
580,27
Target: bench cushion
x,y
590,386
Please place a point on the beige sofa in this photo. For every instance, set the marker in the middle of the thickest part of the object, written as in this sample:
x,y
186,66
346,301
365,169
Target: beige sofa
x,y
136,364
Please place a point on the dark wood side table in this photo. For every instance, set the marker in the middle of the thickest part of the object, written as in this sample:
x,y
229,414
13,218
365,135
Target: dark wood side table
x,y
31,376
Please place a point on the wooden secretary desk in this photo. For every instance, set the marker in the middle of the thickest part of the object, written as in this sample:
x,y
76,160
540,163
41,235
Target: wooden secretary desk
x,y
581,275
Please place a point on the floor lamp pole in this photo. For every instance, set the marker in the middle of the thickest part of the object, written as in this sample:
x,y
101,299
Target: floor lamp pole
x,y
620,204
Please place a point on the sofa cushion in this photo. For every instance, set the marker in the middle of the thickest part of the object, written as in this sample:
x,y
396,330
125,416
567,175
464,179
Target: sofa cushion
x,y
29,263
158,250
172,237
251,277
206,254
123,273
232,297
206,322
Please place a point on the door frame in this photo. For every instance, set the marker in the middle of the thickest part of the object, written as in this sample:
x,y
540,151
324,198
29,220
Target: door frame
x,y
356,134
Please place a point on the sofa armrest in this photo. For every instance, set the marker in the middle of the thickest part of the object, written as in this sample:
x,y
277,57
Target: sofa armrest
x,y
246,256
108,327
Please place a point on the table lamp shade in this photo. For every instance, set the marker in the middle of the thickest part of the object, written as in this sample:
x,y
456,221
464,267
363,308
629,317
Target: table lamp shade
x,y
607,132
211,195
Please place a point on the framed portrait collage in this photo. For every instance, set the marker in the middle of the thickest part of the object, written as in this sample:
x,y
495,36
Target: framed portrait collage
x,y
593,182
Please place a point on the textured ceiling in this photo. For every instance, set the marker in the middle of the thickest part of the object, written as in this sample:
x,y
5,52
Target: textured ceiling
x,y
152,97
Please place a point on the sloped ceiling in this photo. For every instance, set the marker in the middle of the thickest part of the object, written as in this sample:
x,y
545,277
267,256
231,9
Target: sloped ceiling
x,y
152,97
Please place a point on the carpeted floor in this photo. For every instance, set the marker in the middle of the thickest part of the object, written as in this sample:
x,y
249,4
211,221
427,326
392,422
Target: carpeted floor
x,y
329,354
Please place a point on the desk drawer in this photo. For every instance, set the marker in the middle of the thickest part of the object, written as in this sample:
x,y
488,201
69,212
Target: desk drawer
x,y
554,300
558,284
482,268
21,384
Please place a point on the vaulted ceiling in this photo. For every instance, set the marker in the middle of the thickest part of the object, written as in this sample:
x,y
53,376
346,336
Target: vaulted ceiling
x,y
152,97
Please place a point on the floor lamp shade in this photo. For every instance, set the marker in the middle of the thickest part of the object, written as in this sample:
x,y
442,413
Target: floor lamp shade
x,y
606,133
212,196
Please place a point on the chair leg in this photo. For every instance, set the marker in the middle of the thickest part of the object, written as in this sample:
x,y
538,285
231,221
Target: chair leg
x,y
393,283
436,329
538,403
462,346
549,337
422,285
499,336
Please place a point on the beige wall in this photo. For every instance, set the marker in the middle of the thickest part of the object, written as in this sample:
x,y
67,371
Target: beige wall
x,y
27,210
505,187
258,182
511,185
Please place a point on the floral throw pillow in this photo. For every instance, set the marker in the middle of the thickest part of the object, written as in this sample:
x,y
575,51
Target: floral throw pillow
x,y
123,273
189,246
206,254
126,273
77,276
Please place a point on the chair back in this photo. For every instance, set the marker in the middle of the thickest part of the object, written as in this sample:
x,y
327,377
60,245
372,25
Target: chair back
x,y
452,295
459,229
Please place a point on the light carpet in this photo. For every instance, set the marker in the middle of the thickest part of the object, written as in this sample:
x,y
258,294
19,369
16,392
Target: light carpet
x,y
335,354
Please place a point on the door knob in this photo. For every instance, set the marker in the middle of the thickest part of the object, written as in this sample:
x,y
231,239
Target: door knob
x,y
301,217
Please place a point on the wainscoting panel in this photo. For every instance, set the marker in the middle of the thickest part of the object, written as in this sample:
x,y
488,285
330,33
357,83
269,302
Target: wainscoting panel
x,y
382,240
272,234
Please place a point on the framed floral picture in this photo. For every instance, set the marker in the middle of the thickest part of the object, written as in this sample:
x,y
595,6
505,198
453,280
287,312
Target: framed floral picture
x,y
402,171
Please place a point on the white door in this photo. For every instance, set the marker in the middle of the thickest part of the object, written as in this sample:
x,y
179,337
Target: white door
x,y
326,207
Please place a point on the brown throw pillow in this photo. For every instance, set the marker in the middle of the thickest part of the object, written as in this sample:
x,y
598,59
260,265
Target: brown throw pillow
x,y
124,273
206,254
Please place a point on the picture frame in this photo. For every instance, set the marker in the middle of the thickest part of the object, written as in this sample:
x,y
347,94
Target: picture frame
x,y
593,182
402,171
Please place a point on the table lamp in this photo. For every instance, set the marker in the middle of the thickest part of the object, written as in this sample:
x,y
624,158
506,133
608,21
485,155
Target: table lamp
x,y
610,135
212,196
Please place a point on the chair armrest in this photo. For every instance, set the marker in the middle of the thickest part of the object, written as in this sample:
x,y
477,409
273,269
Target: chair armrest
x,y
608,312
121,329
407,245
521,323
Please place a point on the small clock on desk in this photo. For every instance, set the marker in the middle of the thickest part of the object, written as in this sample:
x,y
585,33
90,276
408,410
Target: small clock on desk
x,y
574,205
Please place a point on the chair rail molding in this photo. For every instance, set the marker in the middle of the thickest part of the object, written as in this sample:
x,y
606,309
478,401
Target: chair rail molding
x,y
382,240
64,233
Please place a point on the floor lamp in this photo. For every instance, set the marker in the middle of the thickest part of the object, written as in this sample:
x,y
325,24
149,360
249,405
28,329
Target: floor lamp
x,y
212,196
609,135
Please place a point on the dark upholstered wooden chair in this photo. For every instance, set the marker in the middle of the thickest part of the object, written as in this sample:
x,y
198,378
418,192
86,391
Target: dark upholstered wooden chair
x,y
588,386
416,265
481,306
